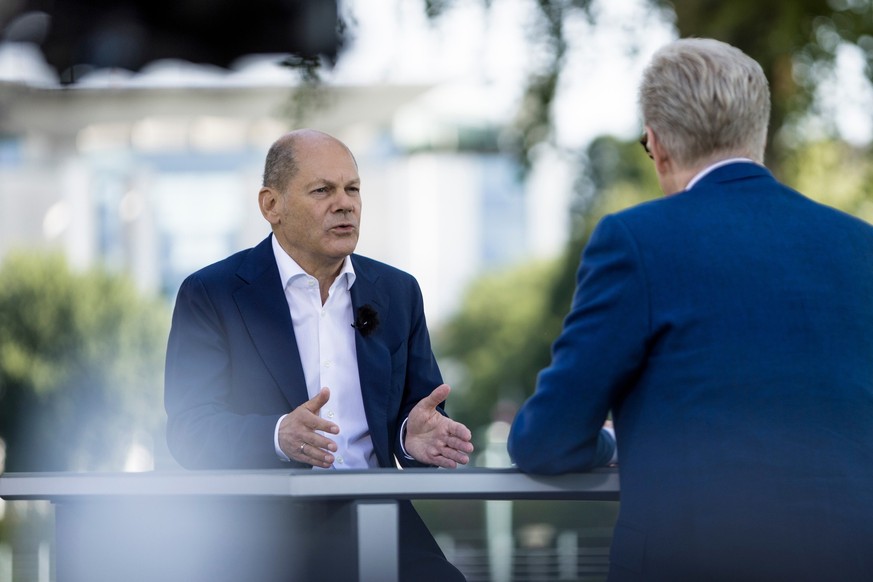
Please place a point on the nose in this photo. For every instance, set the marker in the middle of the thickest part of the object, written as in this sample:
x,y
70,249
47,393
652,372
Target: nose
x,y
345,203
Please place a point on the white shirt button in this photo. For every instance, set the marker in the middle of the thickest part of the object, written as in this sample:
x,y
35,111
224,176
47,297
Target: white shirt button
x,y
339,460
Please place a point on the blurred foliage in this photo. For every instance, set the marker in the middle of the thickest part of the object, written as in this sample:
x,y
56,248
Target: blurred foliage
x,y
310,94
534,123
502,334
795,41
497,351
81,361
493,348
835,173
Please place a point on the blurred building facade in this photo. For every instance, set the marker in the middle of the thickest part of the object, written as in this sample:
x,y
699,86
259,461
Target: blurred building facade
x,y
156,174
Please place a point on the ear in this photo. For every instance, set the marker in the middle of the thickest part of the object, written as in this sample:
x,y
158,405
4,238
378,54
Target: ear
x,y
663,161
268,200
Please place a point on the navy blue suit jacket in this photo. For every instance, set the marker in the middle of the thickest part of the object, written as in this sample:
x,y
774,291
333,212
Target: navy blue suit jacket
x,y
729,329
233,368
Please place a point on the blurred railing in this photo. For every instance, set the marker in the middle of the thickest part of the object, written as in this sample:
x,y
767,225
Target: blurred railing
x,y
370,497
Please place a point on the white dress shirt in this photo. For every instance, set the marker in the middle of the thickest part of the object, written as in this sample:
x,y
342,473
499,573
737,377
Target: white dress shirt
x,y
714,166
326,344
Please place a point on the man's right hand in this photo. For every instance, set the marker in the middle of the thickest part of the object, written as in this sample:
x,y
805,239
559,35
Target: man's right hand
x,y
298,437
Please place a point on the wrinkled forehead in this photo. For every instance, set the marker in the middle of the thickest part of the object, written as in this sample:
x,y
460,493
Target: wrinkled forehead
x,y
327,159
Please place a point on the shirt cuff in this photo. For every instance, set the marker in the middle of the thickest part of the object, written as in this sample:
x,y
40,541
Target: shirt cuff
x,y
403,439
611,433
279,452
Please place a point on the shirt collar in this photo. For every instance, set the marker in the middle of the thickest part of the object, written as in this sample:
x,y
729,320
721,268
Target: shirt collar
x,y
290,270
700,175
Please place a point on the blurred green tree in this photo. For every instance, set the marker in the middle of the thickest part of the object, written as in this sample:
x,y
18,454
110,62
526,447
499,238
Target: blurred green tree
x,y
81,358
491,350
836,173
501,337
795,41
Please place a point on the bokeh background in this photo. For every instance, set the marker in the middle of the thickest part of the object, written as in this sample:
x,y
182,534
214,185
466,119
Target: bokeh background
x,y
490,134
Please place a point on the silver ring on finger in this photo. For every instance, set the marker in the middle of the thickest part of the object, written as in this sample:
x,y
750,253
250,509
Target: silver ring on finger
x,y
301,448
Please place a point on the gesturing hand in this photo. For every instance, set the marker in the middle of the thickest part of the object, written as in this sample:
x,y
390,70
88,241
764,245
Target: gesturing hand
x,y
297,436
434,439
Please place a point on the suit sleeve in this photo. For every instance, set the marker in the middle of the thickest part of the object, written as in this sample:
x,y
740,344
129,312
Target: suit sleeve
x,y
422,371
203,432
596,357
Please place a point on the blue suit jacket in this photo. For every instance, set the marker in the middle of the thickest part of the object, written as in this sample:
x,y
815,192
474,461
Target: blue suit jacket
x,y
729,329
233,368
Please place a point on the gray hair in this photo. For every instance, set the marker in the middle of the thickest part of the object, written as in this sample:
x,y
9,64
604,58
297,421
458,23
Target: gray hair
x,y
706,99
281,164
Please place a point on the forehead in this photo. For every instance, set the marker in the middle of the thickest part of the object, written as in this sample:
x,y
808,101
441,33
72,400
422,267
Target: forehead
x,y
325,158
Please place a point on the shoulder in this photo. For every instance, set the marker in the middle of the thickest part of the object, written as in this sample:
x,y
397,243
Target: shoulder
x,y
637,220
376,270
244,265
722,190
385,284
227,265
219,274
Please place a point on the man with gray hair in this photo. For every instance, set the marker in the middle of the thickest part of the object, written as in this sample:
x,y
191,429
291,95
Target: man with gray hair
x,y
301,354
728,329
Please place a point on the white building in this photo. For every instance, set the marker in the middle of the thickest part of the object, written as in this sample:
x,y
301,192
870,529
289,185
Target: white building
x,y
157,174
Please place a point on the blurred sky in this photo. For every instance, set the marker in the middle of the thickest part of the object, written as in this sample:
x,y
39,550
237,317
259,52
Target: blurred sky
x,y
393,41
491,49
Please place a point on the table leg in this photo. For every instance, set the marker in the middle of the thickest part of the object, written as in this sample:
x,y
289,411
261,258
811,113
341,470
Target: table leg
x,y
378,553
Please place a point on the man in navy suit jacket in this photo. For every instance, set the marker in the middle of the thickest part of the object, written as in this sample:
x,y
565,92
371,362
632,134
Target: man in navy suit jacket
x,y
728,328
298,354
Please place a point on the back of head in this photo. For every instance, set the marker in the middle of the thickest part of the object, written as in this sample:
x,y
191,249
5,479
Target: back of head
x,y
706,100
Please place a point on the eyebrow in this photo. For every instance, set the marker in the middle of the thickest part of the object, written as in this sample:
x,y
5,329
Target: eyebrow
x,y
326,182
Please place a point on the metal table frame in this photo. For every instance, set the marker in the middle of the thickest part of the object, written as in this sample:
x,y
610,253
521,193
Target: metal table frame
x,y
373,494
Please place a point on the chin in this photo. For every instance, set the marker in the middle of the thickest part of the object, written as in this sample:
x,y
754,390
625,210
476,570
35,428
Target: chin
x,y
345,249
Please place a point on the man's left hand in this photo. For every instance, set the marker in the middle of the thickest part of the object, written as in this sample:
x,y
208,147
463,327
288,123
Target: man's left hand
x,y
434,439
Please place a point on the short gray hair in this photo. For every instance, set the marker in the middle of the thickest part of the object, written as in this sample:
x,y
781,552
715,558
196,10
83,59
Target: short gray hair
x,y
281,164
703,99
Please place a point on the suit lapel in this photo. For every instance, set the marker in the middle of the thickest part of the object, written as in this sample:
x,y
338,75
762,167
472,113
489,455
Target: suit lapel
x,y
264,311
374,357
